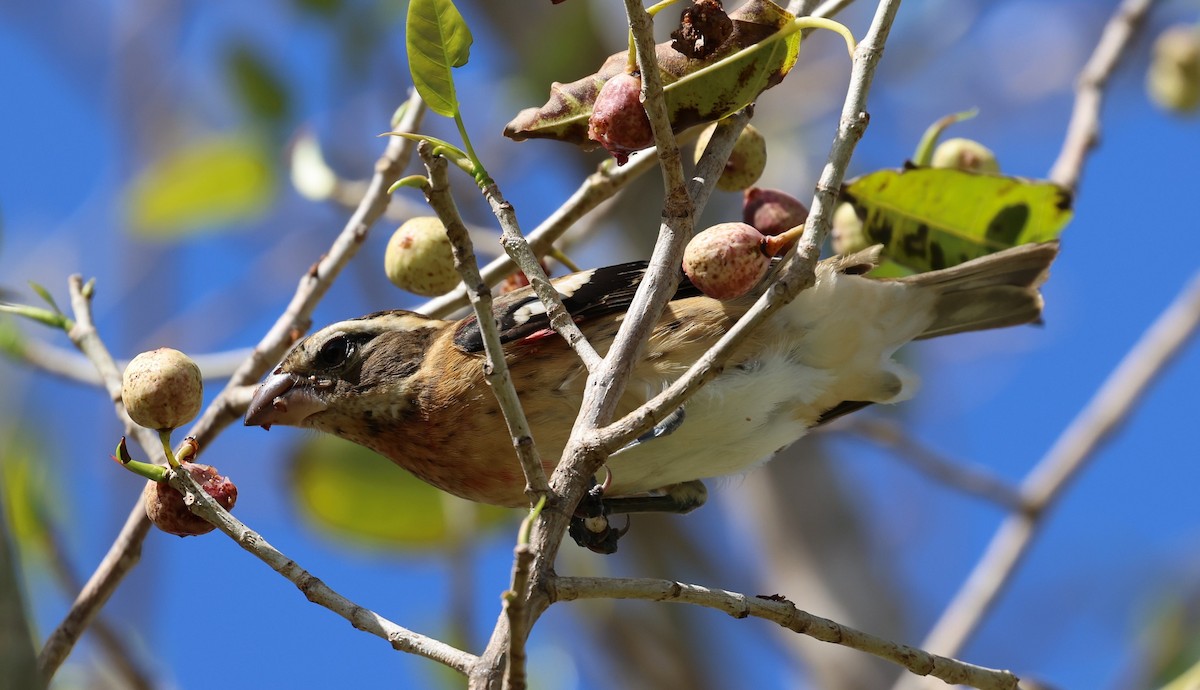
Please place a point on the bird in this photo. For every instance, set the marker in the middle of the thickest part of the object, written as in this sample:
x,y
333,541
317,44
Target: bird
x,y
412,388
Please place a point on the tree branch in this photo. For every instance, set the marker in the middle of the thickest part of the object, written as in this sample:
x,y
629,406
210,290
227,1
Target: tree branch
x,y
1083,132
496,367
125,550
1102,417
974,480
784,613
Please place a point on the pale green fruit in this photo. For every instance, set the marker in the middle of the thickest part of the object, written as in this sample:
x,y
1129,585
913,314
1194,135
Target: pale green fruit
x,y
846,233
162,389
965,154
419,258
1173,81
746,162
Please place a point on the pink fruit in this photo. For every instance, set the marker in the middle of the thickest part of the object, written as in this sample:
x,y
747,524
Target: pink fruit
x,y
726,260
771,211
166,509
618,120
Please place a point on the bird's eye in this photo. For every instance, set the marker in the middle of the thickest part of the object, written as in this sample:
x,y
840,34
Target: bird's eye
x,y
334,352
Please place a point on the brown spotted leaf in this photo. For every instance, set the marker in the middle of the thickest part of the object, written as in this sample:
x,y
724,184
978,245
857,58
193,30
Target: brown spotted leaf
x,y
931,218
697,90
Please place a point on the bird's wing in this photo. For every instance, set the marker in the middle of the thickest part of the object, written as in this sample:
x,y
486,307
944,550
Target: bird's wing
x,y
587,295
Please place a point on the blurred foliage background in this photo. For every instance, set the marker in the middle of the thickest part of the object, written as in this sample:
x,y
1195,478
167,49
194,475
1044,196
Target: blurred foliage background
x,y
149,143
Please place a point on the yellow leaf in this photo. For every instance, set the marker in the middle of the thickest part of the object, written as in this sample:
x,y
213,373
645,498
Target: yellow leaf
x,y
215,181
350,492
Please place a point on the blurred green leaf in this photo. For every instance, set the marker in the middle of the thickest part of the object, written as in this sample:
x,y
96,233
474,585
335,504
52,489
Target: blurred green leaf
x,y
203,183
437,40
25,493
933,218
256,85
350,492
17,656
12,341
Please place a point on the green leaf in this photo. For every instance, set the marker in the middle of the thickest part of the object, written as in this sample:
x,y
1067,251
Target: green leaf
x,y
45,295
930,218
351,493
257,85
437,40
203,183
757,56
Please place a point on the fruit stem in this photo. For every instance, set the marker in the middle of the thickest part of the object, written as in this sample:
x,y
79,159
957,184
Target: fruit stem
x,y
924,153
774,245
165,437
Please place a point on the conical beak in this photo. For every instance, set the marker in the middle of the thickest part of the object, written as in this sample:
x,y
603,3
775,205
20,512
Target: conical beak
x,y
283,399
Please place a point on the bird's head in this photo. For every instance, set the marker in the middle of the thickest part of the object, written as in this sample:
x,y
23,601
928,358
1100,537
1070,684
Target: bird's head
x,y
348,378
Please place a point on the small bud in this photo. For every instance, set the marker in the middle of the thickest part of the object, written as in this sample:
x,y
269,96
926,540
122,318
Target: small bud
x,y
746,162
726,260
166,509
619,121
1173,81
847,234
772,211
419,258
965,154
162,389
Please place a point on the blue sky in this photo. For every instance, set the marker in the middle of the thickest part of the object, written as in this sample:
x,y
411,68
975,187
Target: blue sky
x,y
98,91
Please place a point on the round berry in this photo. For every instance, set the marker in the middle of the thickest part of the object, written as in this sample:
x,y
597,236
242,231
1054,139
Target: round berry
x,y
846,234
166,509
746,162
771,211
965,154
162,389
726,260
1173,81
419,258
619,121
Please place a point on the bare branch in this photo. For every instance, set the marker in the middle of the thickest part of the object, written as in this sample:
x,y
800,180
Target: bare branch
x,y
125,550
71,365
1103,415
496,368
969,479
786,614
399,637
1083,132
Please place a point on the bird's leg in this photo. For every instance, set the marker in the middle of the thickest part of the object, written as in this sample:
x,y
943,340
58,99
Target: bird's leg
x,y
590,527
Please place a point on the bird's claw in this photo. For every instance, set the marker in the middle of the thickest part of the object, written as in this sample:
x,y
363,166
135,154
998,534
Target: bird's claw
x,y
590,526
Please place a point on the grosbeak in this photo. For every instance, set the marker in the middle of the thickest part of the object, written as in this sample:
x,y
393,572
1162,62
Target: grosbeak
x,y
412,388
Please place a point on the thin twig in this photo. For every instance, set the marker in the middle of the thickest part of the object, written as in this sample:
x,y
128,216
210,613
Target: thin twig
x,y
969,479
72,366
519,250
599,187
114,644
787,615
437,192
1083,132
125,550
400,638
1108,409
515,610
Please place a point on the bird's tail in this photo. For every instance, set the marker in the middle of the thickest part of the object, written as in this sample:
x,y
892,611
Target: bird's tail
x,y
993,291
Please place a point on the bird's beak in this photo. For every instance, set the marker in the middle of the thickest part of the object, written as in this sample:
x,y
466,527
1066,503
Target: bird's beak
x,y
283,399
